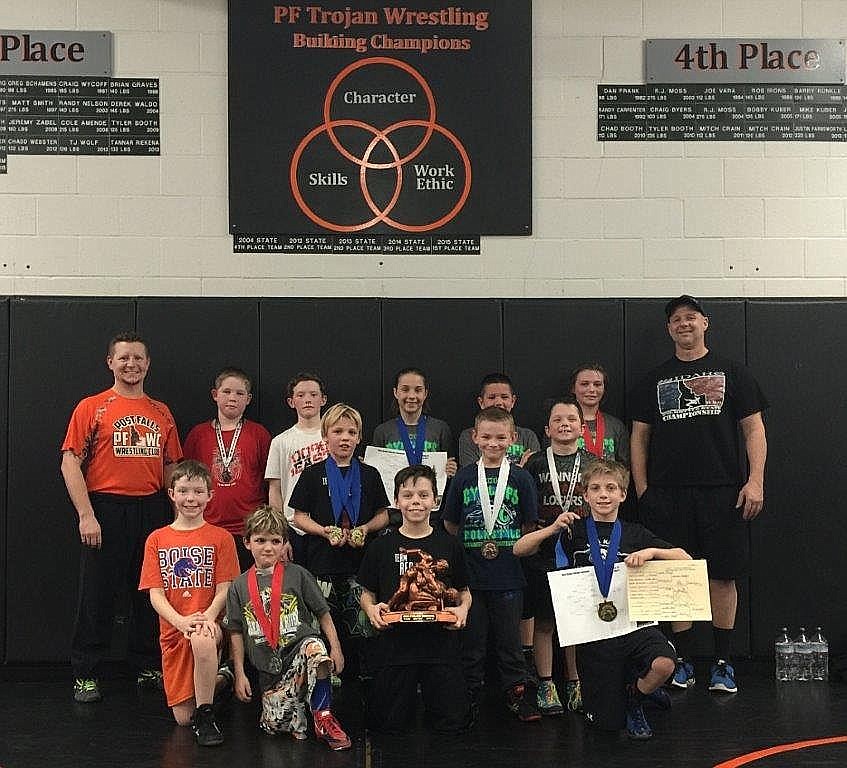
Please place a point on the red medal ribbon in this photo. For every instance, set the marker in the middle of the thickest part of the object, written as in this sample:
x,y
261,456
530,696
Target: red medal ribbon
x,y
269,622
595,445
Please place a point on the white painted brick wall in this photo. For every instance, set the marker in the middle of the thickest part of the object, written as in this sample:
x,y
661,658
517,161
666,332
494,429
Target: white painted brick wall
x,y
610,219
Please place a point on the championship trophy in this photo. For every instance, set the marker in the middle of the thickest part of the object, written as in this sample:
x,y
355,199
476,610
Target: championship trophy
x,y
421,597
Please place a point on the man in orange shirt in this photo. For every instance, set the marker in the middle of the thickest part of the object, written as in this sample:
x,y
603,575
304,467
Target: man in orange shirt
x,y
116,460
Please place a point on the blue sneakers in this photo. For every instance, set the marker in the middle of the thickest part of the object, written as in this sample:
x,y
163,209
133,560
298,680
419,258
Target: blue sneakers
x,y
683,676
722,678
637,726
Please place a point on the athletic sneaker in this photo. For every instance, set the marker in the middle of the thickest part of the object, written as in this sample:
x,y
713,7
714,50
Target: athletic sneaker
x,y
637,726
573,695
328,729
86,690
206,730
548,698
150,679
521,705
683,676
660,699
722,678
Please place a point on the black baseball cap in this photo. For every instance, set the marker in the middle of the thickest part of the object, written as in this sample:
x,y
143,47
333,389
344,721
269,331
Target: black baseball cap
x,y
682,301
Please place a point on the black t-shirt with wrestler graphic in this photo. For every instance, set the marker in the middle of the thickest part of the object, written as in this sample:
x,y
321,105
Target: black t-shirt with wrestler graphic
x,y
693,409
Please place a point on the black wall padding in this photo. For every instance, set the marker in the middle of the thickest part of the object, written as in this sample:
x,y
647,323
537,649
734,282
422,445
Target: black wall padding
x,y
337,338
455,342
544,340
190,341
56,355
797,349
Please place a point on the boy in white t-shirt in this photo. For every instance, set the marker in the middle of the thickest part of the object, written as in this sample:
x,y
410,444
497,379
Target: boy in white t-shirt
x,y
295,449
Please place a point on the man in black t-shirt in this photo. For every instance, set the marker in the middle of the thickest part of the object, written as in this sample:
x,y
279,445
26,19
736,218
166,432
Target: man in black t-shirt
x,y
686,470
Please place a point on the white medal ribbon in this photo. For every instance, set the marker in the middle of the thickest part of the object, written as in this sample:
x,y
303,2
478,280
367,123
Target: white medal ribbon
x,y
554,480
489,511
227,456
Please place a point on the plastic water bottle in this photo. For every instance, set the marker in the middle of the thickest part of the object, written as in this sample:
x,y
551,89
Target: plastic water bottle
x,y
803,653
783,651
820,656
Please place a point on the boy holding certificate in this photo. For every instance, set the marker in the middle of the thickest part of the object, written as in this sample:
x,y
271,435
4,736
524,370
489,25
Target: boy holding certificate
x,y
620,674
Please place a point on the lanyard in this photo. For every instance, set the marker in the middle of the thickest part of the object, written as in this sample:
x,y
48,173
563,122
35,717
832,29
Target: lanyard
x,y
345,492
414,453
489,511
595,444
268,620
565,504
603,567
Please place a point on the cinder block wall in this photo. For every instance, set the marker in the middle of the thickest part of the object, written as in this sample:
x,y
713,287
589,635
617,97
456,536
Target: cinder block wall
x,y
611,219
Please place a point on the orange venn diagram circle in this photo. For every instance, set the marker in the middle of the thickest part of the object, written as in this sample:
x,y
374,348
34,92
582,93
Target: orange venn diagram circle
x,y
380,139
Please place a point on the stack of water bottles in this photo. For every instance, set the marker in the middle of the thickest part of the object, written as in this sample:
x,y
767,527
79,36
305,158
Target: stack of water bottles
x,y
802,658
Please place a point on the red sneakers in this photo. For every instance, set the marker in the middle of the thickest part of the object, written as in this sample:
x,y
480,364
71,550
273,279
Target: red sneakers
x,y
328,729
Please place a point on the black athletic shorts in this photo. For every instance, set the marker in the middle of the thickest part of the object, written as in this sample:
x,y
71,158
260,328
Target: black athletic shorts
x,y
537,601
606,667
703,521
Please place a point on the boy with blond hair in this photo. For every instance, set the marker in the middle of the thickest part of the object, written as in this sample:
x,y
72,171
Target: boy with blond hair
x,y
341,504
621,674
187,568
270,611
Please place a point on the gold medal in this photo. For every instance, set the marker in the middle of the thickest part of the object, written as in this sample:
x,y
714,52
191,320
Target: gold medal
x,y
335,535
489,550
357,536
607,611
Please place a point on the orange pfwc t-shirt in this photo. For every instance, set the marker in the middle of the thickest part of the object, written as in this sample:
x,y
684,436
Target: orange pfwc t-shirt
x,y
188,566
124,443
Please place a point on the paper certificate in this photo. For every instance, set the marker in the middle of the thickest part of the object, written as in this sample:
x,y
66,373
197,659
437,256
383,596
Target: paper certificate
x,y
576,598
388,462
670,590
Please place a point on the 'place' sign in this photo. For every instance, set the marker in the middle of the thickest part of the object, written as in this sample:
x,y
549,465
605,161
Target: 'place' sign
x,y
55,52
745,60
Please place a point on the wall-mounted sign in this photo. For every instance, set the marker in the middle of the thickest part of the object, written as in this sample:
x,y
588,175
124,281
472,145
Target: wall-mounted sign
x,y
55,52
731,112
79,116
379,121
745,60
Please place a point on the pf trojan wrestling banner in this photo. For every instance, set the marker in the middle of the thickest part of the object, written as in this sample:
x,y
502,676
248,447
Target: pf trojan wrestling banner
x,y
379,122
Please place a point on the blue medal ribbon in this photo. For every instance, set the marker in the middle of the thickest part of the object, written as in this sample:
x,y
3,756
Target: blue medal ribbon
x,y
561,558
345,491
603,568
414,453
